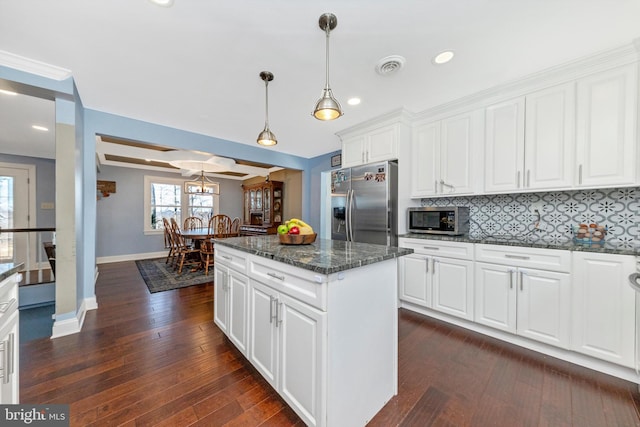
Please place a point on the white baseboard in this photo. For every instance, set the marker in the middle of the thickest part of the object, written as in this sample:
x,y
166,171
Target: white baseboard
x,y
130,257
73,325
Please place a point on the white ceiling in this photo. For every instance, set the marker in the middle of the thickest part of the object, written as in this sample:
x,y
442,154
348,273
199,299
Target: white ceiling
x,y
195,66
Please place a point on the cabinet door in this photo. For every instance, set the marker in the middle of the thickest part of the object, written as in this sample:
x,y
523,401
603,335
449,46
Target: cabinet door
x,y
495,296
549,138
220,298
456,160
238,294
382,144
606,133
302,331
353,151
425,160
9,389
603,306
544,306
263,337
415,286
504,146
453,287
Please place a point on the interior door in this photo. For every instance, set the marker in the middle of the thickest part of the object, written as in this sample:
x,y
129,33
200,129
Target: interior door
x,y
14,213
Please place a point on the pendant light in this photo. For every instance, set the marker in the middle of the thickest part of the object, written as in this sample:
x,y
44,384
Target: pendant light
x,y
327,107
266,137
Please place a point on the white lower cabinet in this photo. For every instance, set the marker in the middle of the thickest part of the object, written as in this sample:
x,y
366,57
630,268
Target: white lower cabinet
x,y
286,348
604,307
231,299
528,302
438,282
9,341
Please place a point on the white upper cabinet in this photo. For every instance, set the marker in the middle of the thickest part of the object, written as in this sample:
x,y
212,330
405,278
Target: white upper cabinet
x,y
606,128
530,141
443,156
375,145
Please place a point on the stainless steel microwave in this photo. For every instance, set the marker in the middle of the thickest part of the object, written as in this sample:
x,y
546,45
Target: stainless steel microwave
x,y
453,220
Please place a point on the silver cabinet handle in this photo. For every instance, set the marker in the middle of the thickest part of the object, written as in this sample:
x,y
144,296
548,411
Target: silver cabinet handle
x,y
427,264
634,281
521,285
12,356
518,178
272,299
435,186
511,279
227,257
516,256
579,174
435,248
275,276
4,306
442,186
278,315
528,177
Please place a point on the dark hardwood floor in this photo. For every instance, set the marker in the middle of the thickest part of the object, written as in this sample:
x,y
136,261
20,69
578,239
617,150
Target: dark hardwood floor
x,y
159,360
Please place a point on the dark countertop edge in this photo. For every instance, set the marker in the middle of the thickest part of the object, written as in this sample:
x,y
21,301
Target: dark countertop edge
x,y
317,269
6,270
569,246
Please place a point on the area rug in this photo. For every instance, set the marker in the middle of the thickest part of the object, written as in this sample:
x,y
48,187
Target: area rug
x,y
161,277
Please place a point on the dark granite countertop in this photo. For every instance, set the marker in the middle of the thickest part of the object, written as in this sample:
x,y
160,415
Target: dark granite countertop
x,y
6,270
322,256
536,242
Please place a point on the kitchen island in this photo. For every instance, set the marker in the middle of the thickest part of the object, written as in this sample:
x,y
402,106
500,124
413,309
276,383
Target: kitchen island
x,y
319,322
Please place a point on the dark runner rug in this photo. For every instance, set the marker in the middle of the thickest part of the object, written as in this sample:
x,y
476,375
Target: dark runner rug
x,y
160,276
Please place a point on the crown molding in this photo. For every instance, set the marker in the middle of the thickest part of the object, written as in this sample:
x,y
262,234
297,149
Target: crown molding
x,y
399,115
32,66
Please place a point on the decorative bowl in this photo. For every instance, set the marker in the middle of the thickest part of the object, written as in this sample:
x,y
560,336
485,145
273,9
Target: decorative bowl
x,y
297,239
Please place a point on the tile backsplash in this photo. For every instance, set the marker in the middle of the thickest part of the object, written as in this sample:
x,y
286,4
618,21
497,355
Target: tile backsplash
x,y
511,215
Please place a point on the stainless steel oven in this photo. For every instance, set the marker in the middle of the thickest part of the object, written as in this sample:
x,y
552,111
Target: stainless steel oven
x,y
453,220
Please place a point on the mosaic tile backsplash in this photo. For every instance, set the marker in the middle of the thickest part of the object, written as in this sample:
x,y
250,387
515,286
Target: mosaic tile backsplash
x,y
511,215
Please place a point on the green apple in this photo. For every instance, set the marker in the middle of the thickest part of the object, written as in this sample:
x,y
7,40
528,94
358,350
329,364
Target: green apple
x,y
283,229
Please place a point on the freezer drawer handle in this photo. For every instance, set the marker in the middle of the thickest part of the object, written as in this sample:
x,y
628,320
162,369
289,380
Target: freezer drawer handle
x,y
516,256
435,248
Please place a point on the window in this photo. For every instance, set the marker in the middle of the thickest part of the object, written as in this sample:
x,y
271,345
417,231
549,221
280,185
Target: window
x,y
164,198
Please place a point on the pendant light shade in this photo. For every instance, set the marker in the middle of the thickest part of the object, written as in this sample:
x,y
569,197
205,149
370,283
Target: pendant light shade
x,y
266,137
327,107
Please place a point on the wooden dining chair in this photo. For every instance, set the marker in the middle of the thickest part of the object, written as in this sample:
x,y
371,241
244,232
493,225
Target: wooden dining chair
x,y
186,254
206,255
220,226
235,227
169,242
192,222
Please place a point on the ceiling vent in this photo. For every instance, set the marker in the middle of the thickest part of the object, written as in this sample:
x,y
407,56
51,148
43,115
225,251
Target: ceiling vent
x,y
390,65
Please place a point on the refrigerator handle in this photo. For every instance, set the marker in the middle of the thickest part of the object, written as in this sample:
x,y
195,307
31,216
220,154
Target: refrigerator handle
x,y
347,214
350,226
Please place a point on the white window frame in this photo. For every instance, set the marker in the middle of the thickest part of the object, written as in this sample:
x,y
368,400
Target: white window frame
x,y
184,200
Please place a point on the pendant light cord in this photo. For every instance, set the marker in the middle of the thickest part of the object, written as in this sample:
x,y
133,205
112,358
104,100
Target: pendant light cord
x,y
266,104
327,30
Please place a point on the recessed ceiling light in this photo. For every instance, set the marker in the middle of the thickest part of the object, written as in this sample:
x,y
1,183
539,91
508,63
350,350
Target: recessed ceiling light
x,y
443,57
163,3
353,101
42,128
7,92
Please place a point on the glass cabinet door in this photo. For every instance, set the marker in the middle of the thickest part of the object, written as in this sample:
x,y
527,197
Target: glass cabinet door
x,y
267,205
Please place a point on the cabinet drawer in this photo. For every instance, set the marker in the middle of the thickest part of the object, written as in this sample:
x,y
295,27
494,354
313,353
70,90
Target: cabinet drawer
x,y
8,297
231,258
438,248
301,284
544,259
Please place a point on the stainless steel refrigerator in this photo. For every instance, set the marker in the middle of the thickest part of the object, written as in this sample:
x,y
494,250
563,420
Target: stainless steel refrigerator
x,y
364,204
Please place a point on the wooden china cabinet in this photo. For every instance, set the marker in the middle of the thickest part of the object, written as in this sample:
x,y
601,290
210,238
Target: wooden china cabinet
x,y
262,212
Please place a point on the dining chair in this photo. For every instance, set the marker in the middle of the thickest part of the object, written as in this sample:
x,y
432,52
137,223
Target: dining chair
x,y
169,242
206,255
219,226
235,227
187,254
192,222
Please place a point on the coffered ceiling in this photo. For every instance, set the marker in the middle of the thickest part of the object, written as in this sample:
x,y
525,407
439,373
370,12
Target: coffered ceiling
x,y
195,65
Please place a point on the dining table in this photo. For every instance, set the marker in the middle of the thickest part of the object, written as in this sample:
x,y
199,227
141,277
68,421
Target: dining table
x,y
200,233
